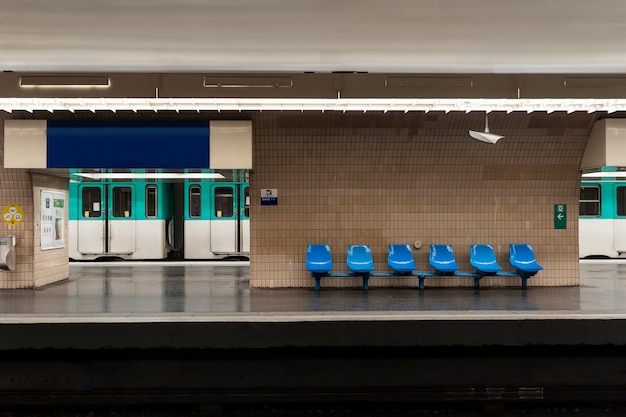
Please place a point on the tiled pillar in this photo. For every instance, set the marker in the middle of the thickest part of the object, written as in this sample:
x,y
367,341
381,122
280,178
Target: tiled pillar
x,y
16,190
34,267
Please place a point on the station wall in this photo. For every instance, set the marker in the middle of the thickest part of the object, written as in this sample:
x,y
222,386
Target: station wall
x,y
378,178
34,267
373,178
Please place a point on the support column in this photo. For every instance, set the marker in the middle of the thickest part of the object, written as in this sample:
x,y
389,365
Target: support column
x,y
20,198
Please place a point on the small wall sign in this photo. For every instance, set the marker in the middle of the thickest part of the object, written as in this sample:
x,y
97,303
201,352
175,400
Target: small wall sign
x,y
560,216
12,214
269,197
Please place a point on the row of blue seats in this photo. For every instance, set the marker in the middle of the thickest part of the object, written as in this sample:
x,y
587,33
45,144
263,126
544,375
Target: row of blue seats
x,y
400,259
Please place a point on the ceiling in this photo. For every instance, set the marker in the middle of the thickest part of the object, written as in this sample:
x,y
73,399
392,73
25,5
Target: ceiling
x,y
416,36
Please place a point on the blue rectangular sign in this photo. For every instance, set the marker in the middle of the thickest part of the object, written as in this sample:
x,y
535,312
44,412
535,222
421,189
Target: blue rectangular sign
x,y
130,144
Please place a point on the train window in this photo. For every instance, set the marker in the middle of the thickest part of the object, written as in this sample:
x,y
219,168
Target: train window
x,y
194,201
92,202
223,202
122,201
246,206
589,204
151,200
621,201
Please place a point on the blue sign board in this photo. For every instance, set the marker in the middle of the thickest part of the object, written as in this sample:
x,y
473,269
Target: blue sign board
x,y
269,197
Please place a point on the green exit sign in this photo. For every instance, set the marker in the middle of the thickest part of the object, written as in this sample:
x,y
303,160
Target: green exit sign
x,y
560,216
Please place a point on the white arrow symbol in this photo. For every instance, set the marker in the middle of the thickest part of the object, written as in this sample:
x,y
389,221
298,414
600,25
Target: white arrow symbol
x,y
559,216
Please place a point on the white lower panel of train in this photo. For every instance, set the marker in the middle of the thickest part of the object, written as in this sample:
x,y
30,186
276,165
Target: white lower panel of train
x,y
206,239
126,239
602,237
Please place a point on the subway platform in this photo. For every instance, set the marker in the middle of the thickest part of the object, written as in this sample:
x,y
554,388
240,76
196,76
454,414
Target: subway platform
x,y
218,294
196,332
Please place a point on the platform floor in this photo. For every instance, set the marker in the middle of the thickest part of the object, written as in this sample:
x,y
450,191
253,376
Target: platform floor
x,y
207,291
196,332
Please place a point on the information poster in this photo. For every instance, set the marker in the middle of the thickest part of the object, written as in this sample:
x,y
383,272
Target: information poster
x,y
52,219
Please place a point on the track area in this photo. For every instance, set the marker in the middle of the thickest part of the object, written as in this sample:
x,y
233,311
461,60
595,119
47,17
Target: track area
x,y
194,338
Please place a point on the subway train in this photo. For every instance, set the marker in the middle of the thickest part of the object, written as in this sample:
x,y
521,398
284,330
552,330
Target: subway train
x,y
602,215
149,215
143,215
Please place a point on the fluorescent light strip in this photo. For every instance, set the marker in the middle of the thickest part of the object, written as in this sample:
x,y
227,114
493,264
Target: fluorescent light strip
x,y
616,174
342,104
151,176
62,86
61,81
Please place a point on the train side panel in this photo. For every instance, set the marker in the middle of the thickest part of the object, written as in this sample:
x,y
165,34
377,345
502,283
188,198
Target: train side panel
x,y
245,236
223,237
198,239
90,237
602,221
216,220
140,219
150,236
596,238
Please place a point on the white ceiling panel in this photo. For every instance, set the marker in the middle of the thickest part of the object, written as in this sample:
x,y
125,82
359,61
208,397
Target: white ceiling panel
x,y
427,36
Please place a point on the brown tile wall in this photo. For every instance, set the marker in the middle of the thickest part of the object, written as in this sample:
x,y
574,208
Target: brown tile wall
x,y
374,178
34,267
16,188
378,178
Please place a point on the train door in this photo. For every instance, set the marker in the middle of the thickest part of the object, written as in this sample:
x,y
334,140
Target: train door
x,y
91,224
105,224
244,218
229,219
619,219
121,224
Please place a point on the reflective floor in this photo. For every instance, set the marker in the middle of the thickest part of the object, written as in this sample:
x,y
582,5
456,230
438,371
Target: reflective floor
x,y
182,291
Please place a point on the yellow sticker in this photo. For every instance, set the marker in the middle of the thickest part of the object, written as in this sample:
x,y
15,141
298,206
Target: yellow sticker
x,y
12,214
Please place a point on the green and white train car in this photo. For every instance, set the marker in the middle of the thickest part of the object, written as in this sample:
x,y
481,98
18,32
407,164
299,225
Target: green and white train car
x,y
153,218
602,216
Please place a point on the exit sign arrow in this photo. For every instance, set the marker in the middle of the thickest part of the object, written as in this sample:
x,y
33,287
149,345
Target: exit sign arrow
x,y
560,216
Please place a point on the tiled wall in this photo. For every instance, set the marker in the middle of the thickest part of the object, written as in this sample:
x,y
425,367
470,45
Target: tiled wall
x,y
374,178
16,189
34,267
378,178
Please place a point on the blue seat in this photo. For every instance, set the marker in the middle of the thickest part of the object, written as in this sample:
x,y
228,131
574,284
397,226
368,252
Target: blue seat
x,y
319,259
522,258
320,263
400,258
442,259
359,259
483,259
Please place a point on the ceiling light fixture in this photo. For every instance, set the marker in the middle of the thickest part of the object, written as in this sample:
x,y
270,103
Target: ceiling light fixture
x,y
605,174
149,176
485,136
64,81
341,104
